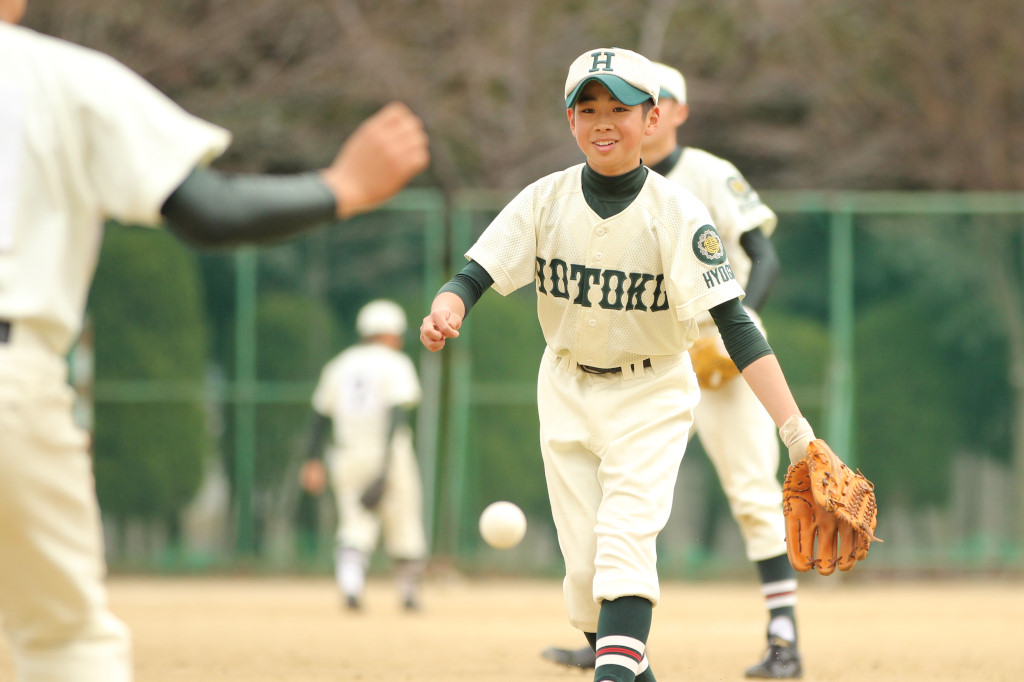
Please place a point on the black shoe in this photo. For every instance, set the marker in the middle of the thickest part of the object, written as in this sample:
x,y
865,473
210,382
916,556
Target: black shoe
x,y
411,604
781,661
571,658
352,603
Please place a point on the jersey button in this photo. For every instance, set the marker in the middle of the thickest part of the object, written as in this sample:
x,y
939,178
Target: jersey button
x,y
592,323
600,231
598,256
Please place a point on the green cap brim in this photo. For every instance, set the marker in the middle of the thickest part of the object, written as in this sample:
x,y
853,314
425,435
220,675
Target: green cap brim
x,y
620,89
665,94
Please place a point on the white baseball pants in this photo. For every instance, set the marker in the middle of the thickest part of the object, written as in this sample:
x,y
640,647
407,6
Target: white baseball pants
x,y
612,446
52,598
742,443
400,514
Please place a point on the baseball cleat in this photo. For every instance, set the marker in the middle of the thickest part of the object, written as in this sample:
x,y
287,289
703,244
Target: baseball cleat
x,y
352,603
781,661
570,658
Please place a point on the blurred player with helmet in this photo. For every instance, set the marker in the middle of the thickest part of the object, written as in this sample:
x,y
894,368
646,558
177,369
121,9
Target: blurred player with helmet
x,y
83,139
734,428
364,398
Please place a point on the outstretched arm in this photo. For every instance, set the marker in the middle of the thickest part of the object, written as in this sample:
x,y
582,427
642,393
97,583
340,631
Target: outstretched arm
x,y
377,160
211,208
830,512
443,322
451,305
760,368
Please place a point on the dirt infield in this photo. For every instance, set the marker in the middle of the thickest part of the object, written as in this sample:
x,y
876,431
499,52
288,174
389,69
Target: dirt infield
x,y
249,630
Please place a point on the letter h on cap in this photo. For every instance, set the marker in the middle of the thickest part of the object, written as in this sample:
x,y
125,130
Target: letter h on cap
x,y
602,59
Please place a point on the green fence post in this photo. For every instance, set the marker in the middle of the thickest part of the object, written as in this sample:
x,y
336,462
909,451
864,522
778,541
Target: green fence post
x,y
841,326
244,395
459,398
429,416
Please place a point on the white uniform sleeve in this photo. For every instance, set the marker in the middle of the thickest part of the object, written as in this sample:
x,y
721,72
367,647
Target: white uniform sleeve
x,y
139,145
698,271
736,206
507,249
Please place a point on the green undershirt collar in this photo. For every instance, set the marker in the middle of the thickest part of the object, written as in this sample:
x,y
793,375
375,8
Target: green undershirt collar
x,y
608,196
665,166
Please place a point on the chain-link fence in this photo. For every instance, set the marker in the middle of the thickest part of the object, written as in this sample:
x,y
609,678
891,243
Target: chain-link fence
x,y
896,318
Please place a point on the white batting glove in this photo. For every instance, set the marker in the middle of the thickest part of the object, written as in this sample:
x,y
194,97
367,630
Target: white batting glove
x,y
796,433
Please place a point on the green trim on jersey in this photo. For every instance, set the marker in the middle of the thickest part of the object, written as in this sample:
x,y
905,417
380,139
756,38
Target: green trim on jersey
x,y
611,195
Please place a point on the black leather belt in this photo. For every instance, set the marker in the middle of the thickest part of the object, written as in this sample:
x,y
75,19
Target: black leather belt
x,y
609,370
5,331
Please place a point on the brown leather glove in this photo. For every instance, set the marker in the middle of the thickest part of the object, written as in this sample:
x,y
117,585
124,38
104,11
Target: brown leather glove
x,y
711,363
824,500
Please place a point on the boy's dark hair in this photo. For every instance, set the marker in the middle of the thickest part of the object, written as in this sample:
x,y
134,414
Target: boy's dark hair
x,y
646,106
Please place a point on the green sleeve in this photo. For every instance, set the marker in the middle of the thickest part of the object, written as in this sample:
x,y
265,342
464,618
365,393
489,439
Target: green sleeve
x,y
764,268
212,209
743,340
469,284
319,428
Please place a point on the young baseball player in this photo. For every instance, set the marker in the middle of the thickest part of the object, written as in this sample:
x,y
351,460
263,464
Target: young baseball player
x,y
84,139
735,430
624,262
366,394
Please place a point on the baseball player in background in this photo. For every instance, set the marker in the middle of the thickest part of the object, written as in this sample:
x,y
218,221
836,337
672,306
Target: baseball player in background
x,y
734,428
624,263
364,398
84,139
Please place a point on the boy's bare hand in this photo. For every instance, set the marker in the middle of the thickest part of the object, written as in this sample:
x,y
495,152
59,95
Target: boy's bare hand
x,y
378,159
438,326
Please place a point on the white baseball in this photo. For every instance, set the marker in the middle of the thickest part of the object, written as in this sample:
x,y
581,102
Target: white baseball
x,y
502,525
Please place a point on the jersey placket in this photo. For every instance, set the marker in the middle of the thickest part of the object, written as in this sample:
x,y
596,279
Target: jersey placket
x,y
594,323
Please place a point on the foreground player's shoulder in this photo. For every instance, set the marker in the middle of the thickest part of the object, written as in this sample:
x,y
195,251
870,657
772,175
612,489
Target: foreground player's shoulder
x,y
532,201
75,63
557,184
669,198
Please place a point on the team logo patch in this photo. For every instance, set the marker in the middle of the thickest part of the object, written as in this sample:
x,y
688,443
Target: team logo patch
x,y
738,186
708,246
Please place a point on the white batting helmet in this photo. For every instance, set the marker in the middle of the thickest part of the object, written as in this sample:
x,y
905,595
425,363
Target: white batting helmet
x,y
380,317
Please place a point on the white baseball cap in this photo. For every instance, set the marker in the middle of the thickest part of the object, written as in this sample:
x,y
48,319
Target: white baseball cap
x,y
629,76
673,85
380,317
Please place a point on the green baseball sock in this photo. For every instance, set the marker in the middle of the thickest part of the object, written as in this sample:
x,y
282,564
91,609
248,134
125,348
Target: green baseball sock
x,y
778,585
622,630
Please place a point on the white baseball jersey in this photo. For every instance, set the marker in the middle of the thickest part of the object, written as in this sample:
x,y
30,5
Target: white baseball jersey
x,y
610,291
734,206
82,139
359,388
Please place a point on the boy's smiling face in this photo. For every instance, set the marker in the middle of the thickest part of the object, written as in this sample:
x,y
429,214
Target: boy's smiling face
x,y
608,131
